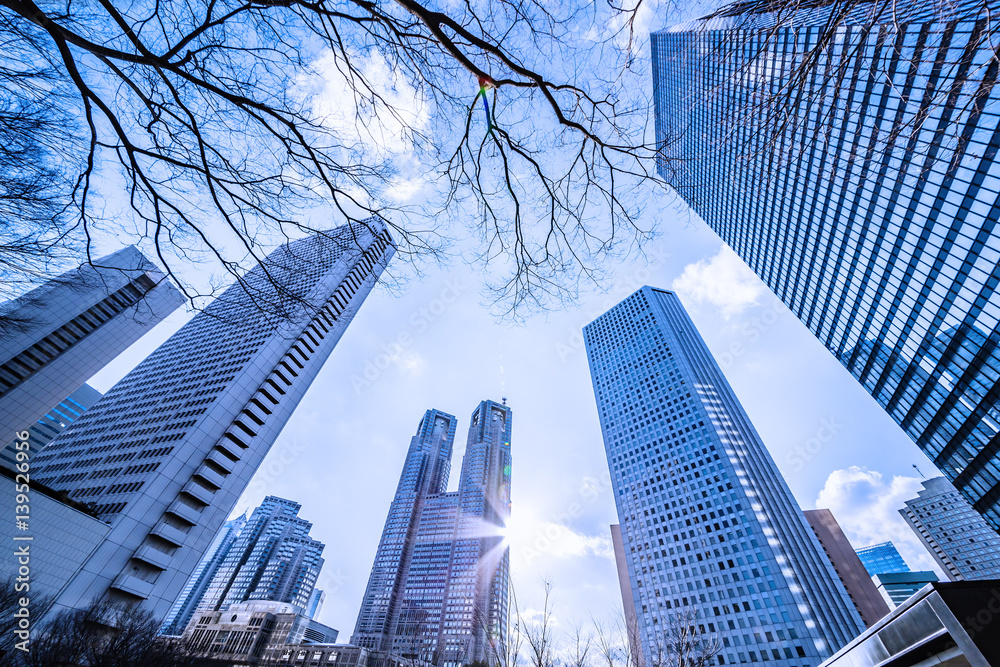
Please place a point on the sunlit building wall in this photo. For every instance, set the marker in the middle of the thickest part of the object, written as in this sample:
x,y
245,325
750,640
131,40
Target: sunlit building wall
x,y
711,534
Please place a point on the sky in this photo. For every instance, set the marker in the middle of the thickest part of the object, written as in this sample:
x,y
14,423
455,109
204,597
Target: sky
x,y
436,344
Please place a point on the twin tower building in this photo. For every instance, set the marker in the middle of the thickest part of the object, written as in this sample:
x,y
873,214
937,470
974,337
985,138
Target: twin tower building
x,y
134,488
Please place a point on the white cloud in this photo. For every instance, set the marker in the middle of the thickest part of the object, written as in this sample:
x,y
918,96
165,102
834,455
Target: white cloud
x,y
381,120
866,506
723,281
533,539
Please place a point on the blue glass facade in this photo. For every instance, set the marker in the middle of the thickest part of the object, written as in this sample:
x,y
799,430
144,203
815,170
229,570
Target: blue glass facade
x,y
881,559
848,153
710,530
439,588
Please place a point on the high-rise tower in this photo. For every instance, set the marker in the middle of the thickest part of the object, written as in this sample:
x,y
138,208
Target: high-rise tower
x,y
54,422
882,558
958,538
272,557
711,534
70,328
165,454
848,152
440,583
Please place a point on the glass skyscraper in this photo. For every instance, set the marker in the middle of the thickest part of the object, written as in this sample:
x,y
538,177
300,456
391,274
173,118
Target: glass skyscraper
x,y
165,454
848,153
440,583
956,536
272,557
710,531
881,558
58,335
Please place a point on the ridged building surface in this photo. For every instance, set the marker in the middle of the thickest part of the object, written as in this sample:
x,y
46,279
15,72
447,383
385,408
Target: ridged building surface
x,y
848,153
165,454
711,534
439,588
61,333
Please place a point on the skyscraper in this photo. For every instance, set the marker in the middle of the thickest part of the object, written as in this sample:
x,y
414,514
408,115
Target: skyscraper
x,y
846,563
881,558
958,538
439,585
54,422
711,533
180,614
165,454
848,153
271,558
70,328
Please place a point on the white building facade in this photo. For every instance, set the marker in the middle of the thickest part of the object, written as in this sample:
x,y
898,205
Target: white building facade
x,y
166,453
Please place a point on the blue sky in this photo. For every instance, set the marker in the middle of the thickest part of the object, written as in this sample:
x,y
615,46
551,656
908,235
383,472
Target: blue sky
x,y
437,345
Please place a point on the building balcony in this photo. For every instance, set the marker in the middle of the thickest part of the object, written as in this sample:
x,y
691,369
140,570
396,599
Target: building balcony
x,y
221,460
184,512
132,585
210,476
230,447
169,533
154,557
198,492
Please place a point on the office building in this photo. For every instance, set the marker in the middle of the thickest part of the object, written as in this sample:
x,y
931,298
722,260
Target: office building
x,y
440,583
53,423
628,603
165,454
881,558
861,184
194,590
63,332
958,538
246,632
897,587
946,624
709,527
848,566
63,534
271,558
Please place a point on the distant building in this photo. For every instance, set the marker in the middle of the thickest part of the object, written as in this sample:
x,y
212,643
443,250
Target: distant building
x,y
857,580
439,587
710,530
166,453
882,558
957,536
947,624
244,633
315,603
54,422
70,328
272,557
897,587
628,602
180,614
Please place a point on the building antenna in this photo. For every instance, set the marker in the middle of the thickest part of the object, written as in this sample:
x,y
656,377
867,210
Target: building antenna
x,y
918,471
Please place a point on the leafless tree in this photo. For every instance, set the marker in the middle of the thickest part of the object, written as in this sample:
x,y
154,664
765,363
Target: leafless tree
x,y
538,631
102,635
684,642
231,125
580,652
620,644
